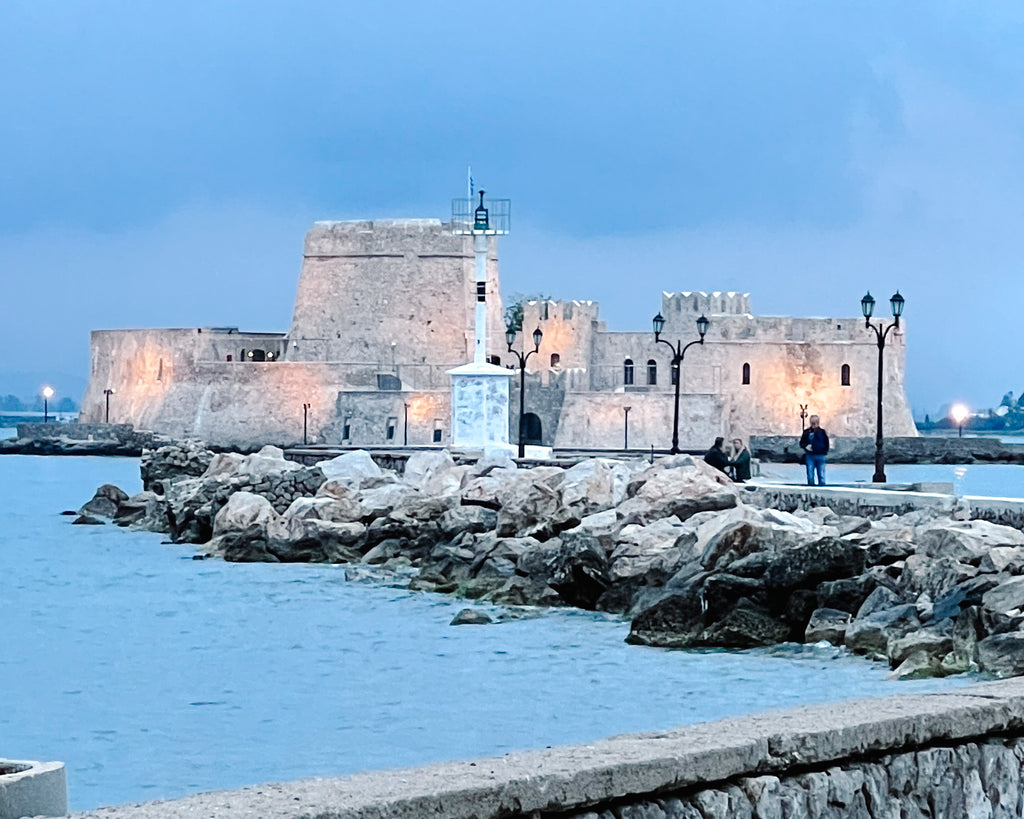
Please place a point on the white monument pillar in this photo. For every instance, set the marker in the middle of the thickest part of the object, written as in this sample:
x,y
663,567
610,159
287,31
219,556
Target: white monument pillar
x,y
480,391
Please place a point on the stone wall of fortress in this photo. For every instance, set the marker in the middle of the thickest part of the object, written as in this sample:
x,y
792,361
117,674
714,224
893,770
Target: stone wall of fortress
x,y
384,309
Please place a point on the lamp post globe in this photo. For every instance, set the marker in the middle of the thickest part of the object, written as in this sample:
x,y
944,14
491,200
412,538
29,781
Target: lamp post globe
x,y
47,395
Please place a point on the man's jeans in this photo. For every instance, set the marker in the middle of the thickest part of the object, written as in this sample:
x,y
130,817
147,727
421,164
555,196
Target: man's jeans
x,y
815,463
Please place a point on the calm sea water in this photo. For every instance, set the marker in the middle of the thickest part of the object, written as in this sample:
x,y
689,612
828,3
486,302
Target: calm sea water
x,y
154,675
992,480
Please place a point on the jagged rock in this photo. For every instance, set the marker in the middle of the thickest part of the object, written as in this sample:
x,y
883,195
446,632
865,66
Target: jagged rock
x,y
1005,598
309,540
579,573
746,626
594,485
966,541
379,501
533,505
880,599
679,486
849,593
1009,559
325,507
471,617
491,459
828,625
521,591
672,622
935,576
871,635
243,510
919,665
657,549
87,520
538,559
474,519
421,465
1002,654
489,490
105,502
383,551
144,510
808,564
352,467
744,531
935,641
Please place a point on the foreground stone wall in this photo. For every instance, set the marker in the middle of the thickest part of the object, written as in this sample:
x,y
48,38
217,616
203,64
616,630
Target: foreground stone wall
x,y
949,755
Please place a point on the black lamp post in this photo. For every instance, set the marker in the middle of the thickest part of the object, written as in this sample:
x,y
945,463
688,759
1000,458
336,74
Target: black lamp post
x,y
510,337
305,424
678,351
625,442
405,426
47,395
109,391
867,306
803,417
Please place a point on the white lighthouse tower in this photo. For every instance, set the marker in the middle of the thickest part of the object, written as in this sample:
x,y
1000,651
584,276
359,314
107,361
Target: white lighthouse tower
x,y
480,390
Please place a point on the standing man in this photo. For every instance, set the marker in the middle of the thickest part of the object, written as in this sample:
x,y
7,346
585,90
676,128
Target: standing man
x,y
814,443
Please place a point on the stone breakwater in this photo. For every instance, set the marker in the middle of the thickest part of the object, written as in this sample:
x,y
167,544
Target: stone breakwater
x,y
940,755
690,558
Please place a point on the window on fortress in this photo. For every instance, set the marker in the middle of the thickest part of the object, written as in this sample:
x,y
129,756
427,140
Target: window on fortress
x,y
652,371
496,360
627,371
438,430
555,359
746,373
844,375
346,430
390,432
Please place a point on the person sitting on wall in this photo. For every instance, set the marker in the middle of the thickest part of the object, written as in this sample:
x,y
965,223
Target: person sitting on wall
x,y
740,461
716,456
814,442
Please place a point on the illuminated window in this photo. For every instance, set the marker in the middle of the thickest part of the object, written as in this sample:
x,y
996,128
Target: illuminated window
x,y
652,371
555,359
627,371
844,375
746,373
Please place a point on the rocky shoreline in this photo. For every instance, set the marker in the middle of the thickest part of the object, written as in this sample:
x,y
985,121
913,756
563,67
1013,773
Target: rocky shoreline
x,y
672,545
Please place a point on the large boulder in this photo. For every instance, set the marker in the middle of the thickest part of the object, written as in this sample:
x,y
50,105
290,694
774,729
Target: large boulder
x,y
144,510
310,540
352,467
105,501
325,507
680,486
674,621
243,510
533,505
1005,598
657,550
594,485
966,541
473,519
827,625
421,467
1002,654
871,635
935,577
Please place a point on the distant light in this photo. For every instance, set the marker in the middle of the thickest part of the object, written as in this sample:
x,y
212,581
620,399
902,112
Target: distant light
x,y
47,392
270,356
249,354
959,413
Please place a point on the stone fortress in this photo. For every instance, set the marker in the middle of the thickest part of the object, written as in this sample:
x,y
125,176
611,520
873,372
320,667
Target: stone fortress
x,y
385,308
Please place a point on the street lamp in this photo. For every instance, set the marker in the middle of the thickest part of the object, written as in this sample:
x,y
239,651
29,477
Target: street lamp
x,y
959,414
625,442
47,395
109,391
678,351
803,417
510,337
867,307
405,427
305,424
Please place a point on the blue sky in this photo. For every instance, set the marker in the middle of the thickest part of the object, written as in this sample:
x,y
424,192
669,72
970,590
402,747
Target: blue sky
x,y
160,163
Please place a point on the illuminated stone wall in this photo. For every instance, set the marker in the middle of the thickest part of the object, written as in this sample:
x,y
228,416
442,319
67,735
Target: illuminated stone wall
x,y
384,309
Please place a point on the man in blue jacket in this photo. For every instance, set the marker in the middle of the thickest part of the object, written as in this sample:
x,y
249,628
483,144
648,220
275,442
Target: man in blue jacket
x,y
814,442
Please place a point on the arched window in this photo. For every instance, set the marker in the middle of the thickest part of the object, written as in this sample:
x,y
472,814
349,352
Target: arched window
x,y
844,375
627,371
746,373
652,371
555,359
